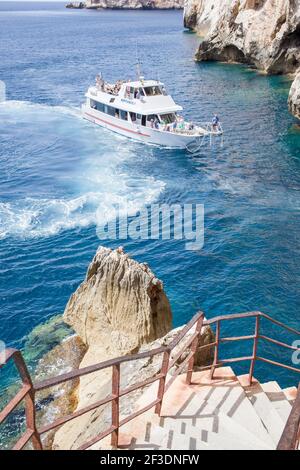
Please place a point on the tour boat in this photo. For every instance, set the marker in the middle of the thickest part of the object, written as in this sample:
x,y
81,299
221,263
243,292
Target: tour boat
x,y
144,111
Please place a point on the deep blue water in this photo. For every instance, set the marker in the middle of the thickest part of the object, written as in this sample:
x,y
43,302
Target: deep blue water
x,y
56,170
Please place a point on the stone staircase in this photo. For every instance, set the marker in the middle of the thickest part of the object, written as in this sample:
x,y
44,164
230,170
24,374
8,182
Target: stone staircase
x,y
223,413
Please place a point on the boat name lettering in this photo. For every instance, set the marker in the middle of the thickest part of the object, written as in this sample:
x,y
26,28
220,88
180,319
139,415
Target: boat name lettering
x,y
127,101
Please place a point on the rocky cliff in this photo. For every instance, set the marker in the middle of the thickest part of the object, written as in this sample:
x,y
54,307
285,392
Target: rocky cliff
x,y
136,4
120,308
294,97
263,33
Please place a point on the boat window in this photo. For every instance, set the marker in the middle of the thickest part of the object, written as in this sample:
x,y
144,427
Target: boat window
x,y
143,120
151,116
123,115
96,105
152,90
100,107
117,113
133,117
110,110
168,118
152,119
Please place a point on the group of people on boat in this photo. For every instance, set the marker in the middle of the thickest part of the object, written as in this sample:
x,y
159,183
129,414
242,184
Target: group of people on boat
x,y
178,125
112,89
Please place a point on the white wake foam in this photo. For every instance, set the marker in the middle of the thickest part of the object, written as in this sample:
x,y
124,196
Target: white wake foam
x,y
87,180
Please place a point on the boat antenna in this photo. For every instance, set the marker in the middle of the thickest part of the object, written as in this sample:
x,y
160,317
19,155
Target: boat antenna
x,y
138,64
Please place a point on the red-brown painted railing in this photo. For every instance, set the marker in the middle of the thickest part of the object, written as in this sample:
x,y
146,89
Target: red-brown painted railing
x,y
290,439
29,390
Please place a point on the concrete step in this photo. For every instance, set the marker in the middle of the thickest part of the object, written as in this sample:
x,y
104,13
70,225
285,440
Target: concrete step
x,y
278,399
221,425
268,415
196,439
229,399
223,413
204,399
290,393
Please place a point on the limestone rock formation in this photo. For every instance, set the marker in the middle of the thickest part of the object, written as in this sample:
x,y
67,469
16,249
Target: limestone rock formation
x,y
120,308
264,33
294,97
135,4
120,305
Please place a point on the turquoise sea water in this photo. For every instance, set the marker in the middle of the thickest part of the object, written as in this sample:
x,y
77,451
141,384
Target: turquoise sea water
x,y
56,170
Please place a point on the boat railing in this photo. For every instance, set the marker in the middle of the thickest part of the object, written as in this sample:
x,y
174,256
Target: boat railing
x,y
189,128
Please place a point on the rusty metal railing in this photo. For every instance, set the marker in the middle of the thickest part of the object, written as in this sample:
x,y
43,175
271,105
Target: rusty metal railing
x,y
28,391
290,438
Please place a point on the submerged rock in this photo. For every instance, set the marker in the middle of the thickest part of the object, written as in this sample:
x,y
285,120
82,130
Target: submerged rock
x,y
43,338
265,33
294,97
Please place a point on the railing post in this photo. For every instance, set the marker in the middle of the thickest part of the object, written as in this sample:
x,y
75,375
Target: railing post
x,y
216,355
194,346
115,420
254,353
30,412
162,381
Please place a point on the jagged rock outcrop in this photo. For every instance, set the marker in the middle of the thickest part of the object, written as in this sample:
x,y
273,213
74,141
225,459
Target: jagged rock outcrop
x,y
294,97
120,305
136,4
264,33
120,308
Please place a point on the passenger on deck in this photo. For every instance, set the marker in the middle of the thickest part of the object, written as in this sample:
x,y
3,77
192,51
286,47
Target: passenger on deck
x,y
156,123
99,82
215,122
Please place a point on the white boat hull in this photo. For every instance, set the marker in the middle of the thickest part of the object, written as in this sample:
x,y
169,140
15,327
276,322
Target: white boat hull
x,y
138,132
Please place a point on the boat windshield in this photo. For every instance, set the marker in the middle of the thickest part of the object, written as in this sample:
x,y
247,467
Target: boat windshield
x,y
153,90
168,118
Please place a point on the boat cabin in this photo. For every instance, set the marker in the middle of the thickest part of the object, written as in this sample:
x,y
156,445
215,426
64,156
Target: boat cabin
x,y
143,102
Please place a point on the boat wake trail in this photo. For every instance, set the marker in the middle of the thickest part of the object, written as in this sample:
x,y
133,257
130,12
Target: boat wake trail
x,y
59,171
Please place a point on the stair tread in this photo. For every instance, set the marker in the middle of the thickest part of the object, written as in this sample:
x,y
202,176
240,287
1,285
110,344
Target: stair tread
x,y
290,393
231,400
278,399
264,409
223,413
219,426
194,438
